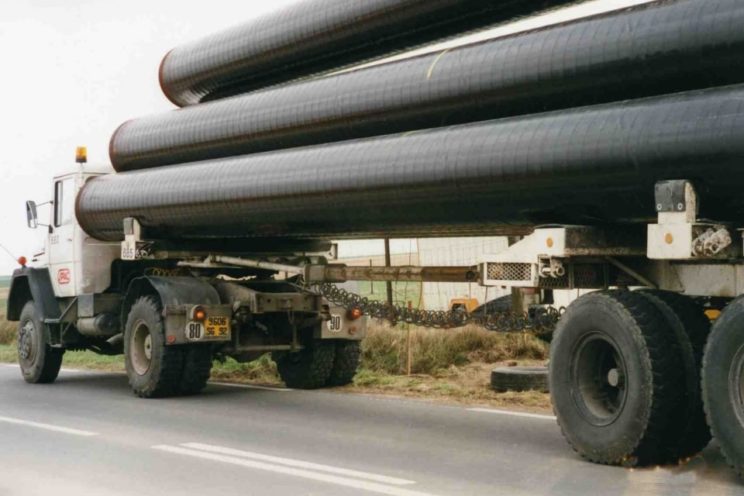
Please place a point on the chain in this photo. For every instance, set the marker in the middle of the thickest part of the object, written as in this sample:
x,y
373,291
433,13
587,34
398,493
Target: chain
x,y
543,320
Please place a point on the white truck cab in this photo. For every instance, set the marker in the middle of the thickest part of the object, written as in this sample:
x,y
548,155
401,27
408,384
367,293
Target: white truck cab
x,y
78,264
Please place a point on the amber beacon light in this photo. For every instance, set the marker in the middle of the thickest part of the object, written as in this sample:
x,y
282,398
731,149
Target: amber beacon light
x,y
81,154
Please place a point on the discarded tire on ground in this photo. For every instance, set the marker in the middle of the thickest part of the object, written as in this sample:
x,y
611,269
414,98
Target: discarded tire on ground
x,y
505,379
614,378
723,383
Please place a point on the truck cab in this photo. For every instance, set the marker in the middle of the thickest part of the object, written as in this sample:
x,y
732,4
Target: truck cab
x,y
77,263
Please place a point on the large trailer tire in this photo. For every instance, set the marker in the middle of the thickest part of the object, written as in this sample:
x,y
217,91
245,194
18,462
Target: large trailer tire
x,y
154,369
309,368
688,431
723,383
39,362
614,378
345,363
197,367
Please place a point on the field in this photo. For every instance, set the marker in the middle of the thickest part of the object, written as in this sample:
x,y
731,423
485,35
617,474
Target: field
x,y
445,365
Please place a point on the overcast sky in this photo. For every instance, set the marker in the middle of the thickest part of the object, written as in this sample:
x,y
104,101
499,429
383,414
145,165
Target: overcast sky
x,y
73,70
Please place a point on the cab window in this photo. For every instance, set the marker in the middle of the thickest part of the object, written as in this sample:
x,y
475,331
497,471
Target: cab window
x,y
64,202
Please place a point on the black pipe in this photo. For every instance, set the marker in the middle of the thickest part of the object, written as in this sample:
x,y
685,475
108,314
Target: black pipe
x,y
584,166
317,35
647,50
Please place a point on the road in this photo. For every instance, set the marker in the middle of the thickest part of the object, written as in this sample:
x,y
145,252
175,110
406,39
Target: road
x,y
87,435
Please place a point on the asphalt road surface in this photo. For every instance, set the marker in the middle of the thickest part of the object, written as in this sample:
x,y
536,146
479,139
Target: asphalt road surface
x,y
88,435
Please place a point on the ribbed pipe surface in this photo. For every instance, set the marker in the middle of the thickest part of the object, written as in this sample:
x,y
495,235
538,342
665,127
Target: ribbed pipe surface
x,y
648,50
583,166
316,35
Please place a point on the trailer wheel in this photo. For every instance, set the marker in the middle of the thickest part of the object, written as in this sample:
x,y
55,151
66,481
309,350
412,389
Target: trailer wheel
x,y
197,368
154,369
345,363
40,363
688,432
614,378
723,383
309,368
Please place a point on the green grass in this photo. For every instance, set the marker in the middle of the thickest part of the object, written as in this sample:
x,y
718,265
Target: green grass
x,y
432,350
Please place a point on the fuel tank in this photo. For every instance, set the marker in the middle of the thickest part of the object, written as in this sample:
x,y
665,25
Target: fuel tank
x,y
588,165
312,36
648,50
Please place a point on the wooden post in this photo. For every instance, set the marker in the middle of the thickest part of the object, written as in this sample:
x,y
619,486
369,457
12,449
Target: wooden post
x,y
408,339
388,284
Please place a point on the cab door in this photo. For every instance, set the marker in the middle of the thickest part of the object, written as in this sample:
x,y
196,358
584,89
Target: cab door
x,y
62,237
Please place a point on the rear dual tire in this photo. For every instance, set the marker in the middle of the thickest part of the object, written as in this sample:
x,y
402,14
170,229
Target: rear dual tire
x,y
321,363
620,387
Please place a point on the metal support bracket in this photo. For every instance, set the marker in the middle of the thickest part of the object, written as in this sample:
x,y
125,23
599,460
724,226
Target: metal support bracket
x,y
677,235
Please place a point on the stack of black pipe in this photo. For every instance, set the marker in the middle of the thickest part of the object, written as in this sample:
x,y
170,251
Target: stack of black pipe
x,y
571,123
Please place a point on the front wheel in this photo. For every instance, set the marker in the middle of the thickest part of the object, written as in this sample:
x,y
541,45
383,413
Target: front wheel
x,y
40,363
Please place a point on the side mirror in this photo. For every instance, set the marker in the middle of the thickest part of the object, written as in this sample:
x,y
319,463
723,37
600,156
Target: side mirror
x,y
32,218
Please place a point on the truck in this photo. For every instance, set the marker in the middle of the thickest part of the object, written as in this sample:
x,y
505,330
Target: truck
x,y
171,310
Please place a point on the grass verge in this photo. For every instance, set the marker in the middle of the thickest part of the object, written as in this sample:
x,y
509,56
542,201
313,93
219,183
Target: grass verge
x,y
445,365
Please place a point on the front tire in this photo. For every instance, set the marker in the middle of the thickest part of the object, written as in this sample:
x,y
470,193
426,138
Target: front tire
x,y
154,369
40,363
614,379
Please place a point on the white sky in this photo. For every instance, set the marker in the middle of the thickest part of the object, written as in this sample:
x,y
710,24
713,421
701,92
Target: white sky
x,y
72,71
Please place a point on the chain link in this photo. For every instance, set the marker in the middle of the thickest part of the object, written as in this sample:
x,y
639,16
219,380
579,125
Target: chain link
x,y
542,321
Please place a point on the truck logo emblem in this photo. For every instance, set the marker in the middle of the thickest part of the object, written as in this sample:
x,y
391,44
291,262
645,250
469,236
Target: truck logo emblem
x,y
63,276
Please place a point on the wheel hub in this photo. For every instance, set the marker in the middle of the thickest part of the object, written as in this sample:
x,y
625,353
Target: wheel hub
x,y
615,378
26,341
141,348
599,379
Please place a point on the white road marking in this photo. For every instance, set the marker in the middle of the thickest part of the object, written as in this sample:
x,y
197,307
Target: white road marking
x,y
299,464
295,472
48,427
251,386
513,414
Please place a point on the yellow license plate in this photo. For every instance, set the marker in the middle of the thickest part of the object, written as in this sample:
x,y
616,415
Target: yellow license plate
x,y
217,327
